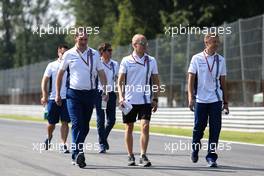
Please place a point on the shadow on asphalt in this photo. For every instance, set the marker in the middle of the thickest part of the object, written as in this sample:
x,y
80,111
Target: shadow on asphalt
x,y
227,169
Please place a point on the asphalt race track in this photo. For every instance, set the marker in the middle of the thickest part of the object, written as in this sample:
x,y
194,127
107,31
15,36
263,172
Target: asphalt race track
x,y
21,154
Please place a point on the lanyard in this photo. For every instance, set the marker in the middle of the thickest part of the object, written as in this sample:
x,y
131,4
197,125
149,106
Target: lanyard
x,y
112,65
89,52
86,62
210,69
107,66
139,62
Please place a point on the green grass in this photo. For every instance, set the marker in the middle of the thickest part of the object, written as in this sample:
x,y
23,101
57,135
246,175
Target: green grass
x,y
19,117
248,137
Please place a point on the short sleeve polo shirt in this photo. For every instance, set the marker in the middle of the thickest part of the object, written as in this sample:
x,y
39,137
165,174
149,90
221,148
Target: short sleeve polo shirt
x,y
79,72
51,72
135,69
208,85
111,70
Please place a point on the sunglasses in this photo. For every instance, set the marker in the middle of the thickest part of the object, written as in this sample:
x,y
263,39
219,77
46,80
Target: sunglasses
x,y
83,39
142,43
109,50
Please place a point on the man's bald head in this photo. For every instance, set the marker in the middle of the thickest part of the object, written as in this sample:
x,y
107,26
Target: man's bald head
x,y
138,37
139,43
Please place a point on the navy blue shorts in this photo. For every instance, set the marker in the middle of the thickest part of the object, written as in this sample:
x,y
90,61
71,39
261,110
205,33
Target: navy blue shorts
x,y
141,111
57,113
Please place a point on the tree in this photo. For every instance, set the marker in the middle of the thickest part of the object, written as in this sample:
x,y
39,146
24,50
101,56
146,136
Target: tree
x,y
30,46
9,14
20,46
208,13
102,14
136,17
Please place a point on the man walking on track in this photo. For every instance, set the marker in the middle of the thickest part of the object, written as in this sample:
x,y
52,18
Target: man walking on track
x,y
82,64
109,111
137,73
55,112
207,96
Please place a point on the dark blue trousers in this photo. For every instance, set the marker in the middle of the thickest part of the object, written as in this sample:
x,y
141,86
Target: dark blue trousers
x,y
103,128
80,105
205,112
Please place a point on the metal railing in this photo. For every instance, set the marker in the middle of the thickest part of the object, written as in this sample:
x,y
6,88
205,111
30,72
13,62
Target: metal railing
x,y
240,118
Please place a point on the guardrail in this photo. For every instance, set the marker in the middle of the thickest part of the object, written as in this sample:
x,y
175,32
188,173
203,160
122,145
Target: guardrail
x,y
240,118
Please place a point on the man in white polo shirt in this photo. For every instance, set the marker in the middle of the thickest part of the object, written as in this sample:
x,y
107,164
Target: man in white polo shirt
x,y
111,70
55,112
137,73
207,96
82,64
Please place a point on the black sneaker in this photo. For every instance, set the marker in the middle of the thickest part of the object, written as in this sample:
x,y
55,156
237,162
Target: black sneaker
x,y
65,149
144,161
47,143
211,163
194,157
131,160
80,160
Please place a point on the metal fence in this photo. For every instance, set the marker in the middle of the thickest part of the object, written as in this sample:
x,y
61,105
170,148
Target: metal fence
x,y
243,50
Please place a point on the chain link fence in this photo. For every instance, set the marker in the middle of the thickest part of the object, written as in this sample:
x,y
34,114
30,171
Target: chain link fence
x,y
243,50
